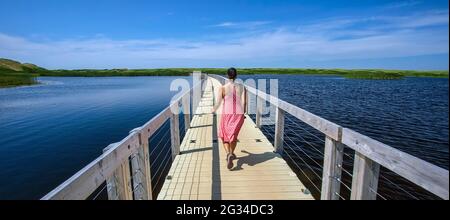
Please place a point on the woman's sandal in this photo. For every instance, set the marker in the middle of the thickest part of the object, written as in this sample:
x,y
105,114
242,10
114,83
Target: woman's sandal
x,y
230,161
233,157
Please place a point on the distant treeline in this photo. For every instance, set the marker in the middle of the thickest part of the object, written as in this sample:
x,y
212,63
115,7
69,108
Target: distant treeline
x,y
360,74
13,73
118,72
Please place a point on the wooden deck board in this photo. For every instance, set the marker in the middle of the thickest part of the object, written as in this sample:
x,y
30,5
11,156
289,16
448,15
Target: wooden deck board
x,y
200,173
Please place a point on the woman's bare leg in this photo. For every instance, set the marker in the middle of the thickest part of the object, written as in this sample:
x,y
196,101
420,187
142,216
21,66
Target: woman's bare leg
x,y
230,154
229,158
233,146
227,147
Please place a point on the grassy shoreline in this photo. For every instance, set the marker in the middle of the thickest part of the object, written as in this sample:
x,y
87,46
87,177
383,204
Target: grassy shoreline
x,y
355,73
17,79
27,76
14,73
11,79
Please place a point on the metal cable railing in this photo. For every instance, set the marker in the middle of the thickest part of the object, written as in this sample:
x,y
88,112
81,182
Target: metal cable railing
x,y
166,166
300,156
295,135
291,130
160,161
98,195
155,159
289,143
386,182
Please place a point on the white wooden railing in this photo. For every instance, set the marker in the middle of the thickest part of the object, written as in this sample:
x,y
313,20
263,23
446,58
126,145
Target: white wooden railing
x,y
370,154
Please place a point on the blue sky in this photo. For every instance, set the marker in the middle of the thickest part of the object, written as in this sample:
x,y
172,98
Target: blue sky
x,y
410,34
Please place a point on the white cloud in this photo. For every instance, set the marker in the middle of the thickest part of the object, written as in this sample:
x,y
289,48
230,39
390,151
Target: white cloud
x,y
378,22
418,20
402,4
325,40
243,25
224,24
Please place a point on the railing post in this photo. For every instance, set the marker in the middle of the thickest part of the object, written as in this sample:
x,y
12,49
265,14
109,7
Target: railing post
x,y
187,111
175,131
332,169
140,166
259,106
196,91
365,178
279,130
213,95
147,169
246,100
119,184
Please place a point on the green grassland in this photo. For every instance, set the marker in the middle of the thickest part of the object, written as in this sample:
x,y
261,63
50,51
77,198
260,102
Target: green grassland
x,y
357,74
16,79
13,73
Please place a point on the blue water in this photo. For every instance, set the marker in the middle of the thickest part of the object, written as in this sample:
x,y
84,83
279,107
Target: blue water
x,y
50,131
409,114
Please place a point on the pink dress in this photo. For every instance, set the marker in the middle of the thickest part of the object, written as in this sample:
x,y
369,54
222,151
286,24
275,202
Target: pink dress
x,y
232,117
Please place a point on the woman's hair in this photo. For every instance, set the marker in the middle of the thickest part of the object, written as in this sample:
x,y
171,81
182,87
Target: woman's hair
x,y
232,73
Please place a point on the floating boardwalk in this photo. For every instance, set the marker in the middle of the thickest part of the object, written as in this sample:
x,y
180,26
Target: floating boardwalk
x,y
195,168
200,172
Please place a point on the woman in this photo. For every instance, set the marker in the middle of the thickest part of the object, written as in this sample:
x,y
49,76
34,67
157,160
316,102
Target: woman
x,y
232,115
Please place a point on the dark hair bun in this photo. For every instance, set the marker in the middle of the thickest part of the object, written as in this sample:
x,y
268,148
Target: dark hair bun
x,y
232,73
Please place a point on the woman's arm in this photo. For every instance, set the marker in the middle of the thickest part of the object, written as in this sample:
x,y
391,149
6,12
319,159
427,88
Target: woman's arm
x,y
218,100
244,100
243,97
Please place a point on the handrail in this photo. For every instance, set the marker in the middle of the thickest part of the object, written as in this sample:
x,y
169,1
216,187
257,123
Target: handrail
x,y
369,153
88,179
82,184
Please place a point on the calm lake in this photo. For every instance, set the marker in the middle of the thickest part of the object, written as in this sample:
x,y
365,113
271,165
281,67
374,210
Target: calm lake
x,y
50,131
409,114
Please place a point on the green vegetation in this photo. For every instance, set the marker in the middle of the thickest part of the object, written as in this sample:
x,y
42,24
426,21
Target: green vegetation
x,y
13,73
14,79
119,72
354,74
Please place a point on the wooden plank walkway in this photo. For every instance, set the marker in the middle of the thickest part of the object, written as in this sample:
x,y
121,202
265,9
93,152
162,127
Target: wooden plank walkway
x,y
200,173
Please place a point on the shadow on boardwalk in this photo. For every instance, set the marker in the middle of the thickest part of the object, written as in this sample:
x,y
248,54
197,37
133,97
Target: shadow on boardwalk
x,y
253,159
